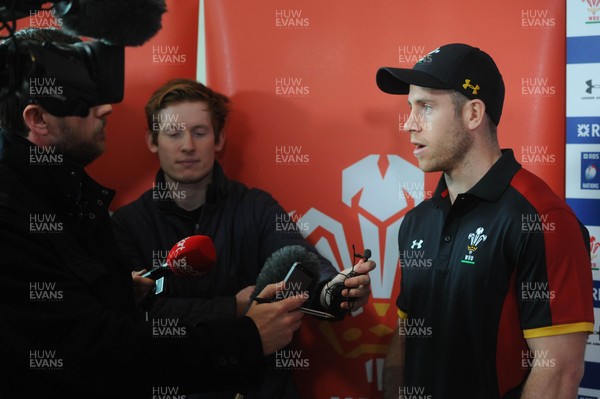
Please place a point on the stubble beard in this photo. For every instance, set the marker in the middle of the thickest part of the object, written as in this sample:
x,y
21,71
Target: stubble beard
x,y
78,150
450,152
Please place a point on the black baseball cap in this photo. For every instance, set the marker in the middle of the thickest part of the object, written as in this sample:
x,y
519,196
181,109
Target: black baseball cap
x,y
455,66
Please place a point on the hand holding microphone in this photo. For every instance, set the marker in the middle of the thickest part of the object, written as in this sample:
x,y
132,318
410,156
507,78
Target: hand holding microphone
x,y
142,286
193,256
350,289
276,320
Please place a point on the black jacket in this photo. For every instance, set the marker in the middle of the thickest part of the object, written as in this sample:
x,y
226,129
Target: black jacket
x,y
68,323
246,225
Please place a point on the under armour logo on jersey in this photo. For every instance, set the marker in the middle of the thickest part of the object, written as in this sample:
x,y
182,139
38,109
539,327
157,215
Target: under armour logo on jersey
x,y
416,244
470,86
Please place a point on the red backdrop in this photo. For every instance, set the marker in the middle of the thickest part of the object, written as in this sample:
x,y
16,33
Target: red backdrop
x,y
310,126
302,79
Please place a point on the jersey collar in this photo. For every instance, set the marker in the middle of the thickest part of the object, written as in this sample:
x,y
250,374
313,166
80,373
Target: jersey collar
x,y
491,186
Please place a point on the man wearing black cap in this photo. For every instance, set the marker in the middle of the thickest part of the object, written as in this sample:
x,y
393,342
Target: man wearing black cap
x,y
505,307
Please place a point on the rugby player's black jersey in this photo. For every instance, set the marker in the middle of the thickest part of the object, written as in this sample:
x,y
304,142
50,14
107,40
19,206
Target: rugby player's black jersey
x,y
508,260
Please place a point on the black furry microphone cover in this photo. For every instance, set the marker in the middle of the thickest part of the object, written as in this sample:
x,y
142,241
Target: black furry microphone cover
x,y
278,265
117,22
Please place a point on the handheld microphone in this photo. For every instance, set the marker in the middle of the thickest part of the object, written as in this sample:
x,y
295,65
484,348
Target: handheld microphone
x,y
116,22
298,268
366,255
278,265
193,256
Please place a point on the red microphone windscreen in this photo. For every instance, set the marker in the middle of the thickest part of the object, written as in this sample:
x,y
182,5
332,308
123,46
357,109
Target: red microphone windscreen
x,y
193,256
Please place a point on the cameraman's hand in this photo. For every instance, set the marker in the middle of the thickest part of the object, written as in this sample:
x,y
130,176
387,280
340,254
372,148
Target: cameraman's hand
x,y
276,321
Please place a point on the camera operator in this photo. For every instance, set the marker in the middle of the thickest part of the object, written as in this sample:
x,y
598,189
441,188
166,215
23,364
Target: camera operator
x,y
68,321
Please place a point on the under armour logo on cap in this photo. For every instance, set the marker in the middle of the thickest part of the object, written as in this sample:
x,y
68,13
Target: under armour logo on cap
x,y
445,68
468,85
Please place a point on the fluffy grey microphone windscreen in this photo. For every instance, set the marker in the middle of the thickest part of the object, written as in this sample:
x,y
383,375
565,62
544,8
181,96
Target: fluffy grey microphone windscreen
x,y
278,265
